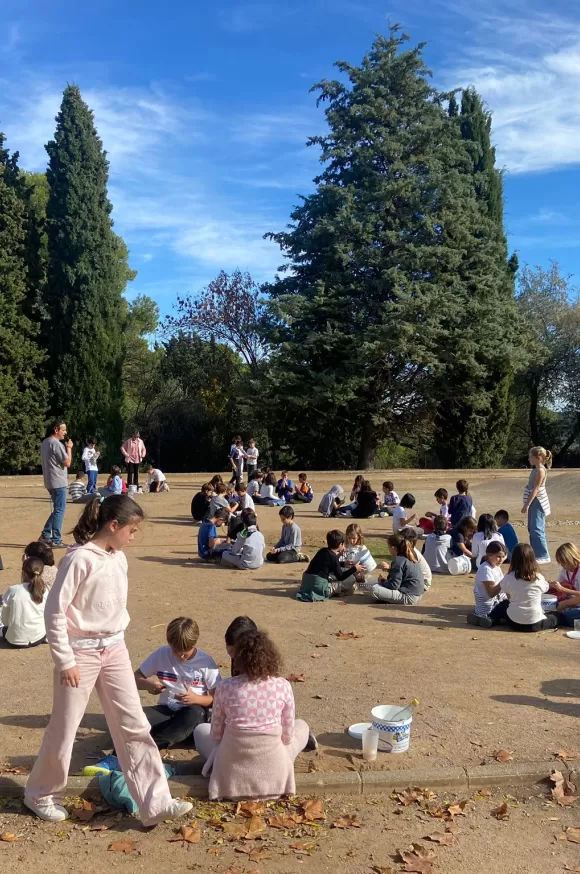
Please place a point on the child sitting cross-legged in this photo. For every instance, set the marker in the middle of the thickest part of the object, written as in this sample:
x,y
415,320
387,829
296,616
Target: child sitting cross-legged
x,y
23,608
487,589
289,547
400,517
567,586
356,552
185,678
303,493
524,585
404,582
200,502
78,490
390,498
411,535
209,545
247,553
324,577
437,546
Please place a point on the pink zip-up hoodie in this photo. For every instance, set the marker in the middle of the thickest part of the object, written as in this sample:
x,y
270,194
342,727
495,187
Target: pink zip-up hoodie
x,y
88,599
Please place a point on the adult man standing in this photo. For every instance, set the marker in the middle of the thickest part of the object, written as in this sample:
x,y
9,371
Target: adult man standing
x,y
56,459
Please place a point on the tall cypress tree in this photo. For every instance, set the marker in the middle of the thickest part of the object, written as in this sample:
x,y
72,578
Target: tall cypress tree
x,y
472,426
389,257
86,276
22,391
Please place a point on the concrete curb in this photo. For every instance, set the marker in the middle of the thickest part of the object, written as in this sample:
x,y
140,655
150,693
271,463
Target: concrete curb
x,y
346,782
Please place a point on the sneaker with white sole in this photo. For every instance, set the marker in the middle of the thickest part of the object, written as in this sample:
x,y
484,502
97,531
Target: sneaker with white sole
x,y
543,561
47,810
104,766
176,809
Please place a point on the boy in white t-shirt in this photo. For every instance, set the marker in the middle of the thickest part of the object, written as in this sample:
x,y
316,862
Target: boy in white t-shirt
x,y
185,678
400,518
156,480
251,455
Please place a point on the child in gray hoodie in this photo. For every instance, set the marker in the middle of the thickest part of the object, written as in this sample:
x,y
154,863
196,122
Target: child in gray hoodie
x,y
247,553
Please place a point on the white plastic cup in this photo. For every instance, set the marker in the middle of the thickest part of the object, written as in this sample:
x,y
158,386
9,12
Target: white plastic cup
x,y
370,744
577,625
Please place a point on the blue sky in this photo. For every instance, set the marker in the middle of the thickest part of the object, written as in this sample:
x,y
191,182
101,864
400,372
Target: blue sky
x,y
204,109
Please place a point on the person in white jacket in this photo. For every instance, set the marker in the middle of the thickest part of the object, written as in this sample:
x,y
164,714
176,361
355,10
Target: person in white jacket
x,y
89,458
247,553
23,607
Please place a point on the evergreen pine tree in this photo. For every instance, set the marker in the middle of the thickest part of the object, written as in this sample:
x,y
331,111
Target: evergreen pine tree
x,y
22,392
388,259
472,426
87,273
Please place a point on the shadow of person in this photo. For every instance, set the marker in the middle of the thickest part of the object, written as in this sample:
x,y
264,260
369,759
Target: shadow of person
x,y
562,707
563,688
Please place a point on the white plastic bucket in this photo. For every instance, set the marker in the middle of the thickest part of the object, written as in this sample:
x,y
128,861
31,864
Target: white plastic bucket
x,y
131,489
394,737
549,603
459,565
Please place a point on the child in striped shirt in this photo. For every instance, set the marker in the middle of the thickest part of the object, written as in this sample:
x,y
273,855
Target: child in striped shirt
x,y
487,589
77,489
356,552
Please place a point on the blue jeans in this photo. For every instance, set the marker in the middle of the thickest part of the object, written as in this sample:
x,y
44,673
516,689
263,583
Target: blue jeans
x,y
568,616
537,530
52,529
92,484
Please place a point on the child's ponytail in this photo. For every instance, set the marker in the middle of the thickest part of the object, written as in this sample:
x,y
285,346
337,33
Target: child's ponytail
x,y
32,572
403,546
99,511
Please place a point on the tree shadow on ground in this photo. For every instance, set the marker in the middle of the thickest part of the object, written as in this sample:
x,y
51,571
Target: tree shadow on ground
x,y
271,592
179,562
452,614
341,741
562,707
174,520
561,688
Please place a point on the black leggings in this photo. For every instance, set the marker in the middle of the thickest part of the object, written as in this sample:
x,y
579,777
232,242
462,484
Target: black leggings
x,y
132,474
500,613
20,645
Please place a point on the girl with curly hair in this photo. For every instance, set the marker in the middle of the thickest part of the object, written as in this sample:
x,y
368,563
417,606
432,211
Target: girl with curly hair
x,y
254,736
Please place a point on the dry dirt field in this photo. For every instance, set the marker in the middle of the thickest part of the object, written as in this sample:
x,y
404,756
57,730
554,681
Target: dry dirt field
x,y
479,690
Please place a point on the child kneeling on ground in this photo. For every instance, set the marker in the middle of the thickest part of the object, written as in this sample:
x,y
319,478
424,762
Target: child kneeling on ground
x,y
524,585
316,580
289,547
404,582
487,588
156,480
247,553
209,545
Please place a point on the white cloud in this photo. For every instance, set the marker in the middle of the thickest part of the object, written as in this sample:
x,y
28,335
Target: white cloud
x,y
527,68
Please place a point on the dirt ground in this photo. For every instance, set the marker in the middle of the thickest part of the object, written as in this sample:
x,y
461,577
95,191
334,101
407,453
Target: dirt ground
x,y
479,690
355,835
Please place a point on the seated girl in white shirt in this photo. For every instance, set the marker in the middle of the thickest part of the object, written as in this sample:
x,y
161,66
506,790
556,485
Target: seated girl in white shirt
x,y
400,518
524,585
23,608
487,588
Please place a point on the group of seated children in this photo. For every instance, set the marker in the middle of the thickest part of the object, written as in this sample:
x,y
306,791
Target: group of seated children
x,y
23,604
244,727
116,485
461,549
262,489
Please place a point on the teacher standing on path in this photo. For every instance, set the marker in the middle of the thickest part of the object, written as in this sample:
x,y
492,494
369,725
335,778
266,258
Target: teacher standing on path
x,y
134,452
537,502
56,459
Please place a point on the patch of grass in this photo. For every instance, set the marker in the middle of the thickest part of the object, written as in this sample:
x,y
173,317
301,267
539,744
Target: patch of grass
x,y
379,548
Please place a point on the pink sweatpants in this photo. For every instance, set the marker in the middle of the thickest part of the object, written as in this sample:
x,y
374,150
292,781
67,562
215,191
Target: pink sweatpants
x,y
109,671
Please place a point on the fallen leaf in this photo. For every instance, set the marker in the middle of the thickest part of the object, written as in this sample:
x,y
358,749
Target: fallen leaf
x,y
256,826
234,830
566,756
255,855
445,839
503,756
297,678
483,793
349,820
573,835
347,635
101,826
417,859
123,847
563,790
249,808
15,771
457,809
188,834
313,810
86,812
285,820
303,849
214,851
501,812
8,837
408,796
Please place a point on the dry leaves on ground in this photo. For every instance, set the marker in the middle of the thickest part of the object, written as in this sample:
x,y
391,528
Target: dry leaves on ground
x,y
573,835
285,820
250,808
8,837
126,847
187,834
501,812
297,678
409,796
347,635
313,809
86,812
316,655
349,820
303,849
563,790
503,756
566,755
255,855
418,859
14,771
444,839
215,851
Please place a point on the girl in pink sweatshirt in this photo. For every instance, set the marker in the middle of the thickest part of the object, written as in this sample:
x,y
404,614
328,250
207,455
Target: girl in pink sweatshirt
x,y
86,617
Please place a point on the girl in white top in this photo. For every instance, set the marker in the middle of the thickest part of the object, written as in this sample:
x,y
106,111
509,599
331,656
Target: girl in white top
x,y
400,517
487,590
23,607
486,533
356,552
524,585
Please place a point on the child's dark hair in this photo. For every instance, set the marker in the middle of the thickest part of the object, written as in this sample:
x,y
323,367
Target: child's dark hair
x,y
240,625
408,501
98,513
116,471
357,481
270,479
365,486
496,547
220,515
502,514
207,487
250,519
302,477
41,550
409,534
467,524
32,570
486,525
388,485
523,563
80,474
440,525
256,475
90,440
334,538
441,493
215,480
242,489
220,488
257,656
287,512
462,487
403,546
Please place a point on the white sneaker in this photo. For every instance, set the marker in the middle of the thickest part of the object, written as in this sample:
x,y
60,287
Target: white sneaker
x,y
48,811
543,561
176,809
